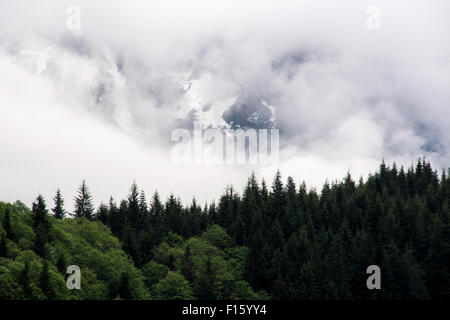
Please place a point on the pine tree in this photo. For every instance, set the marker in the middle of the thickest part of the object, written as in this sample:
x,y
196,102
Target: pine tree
x,y
143,209
102,213
7,223
61,264
25,282
278,198
45,283
58,210
133,204
124,287
3,247
187,265
41,225
40,212
83,203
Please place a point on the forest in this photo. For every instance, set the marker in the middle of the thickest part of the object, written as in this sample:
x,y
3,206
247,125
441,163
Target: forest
x,y
278,241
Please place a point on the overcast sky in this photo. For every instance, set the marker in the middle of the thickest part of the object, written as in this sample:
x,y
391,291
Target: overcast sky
x,y
99,102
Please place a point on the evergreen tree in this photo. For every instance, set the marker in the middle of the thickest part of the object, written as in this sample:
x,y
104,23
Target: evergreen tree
x,y
7,223
61,264
25,282
45,283
102,213
187,265
58,210
143,209
41,225
3,247
124,287
83,202
133,205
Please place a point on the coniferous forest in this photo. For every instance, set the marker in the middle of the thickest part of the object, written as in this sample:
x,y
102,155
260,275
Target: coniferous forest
x,y
273,240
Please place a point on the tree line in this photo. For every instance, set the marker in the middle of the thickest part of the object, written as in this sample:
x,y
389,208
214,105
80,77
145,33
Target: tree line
x,y
279,241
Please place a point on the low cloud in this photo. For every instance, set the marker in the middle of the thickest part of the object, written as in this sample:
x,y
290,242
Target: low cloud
x,y
100,105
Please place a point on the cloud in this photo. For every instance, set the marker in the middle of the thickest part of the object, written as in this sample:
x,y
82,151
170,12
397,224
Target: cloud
x,y
101,106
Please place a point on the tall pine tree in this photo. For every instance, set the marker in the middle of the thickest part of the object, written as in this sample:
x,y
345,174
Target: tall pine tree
x,y
83,203
58,210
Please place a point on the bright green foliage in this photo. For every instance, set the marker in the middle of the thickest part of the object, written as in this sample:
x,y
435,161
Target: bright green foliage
x,y
90,245
173,287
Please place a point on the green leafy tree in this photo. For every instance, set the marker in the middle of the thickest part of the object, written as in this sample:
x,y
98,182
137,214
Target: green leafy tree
x,y
173,287
205,283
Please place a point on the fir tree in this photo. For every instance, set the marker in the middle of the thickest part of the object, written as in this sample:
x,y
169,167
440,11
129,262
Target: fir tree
x,y
25,282
41,225
124,287
83,202
7,223
187,265
58,210
3,247
44,281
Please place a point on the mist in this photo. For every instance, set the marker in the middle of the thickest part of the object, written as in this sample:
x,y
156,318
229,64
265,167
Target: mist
x,y
99,102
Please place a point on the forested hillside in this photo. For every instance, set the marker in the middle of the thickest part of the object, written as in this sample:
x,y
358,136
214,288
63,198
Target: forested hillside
x,y
278,241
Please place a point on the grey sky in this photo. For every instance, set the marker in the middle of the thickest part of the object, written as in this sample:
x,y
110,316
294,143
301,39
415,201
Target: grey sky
x,y
101,105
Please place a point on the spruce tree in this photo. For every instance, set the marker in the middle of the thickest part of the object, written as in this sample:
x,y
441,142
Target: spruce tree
x,y
205,287
7,223
41,225
61,264
133,205
124,287
25,282
83,202
102,213
45,283
187,265
143,209
58,210
3,247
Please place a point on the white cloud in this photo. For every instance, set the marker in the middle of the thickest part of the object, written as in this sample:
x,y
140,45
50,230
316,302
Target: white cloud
x,y
101,106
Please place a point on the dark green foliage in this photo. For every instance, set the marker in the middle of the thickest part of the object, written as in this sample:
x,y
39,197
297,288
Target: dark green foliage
x,y
61,264
124,287
205,286
3,247
83,203
41,225
25,282
187,265
44,282
282,242
302,244
7,223
58,210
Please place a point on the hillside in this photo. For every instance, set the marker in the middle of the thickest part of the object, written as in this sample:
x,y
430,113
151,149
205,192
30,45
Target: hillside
x,y
280,242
